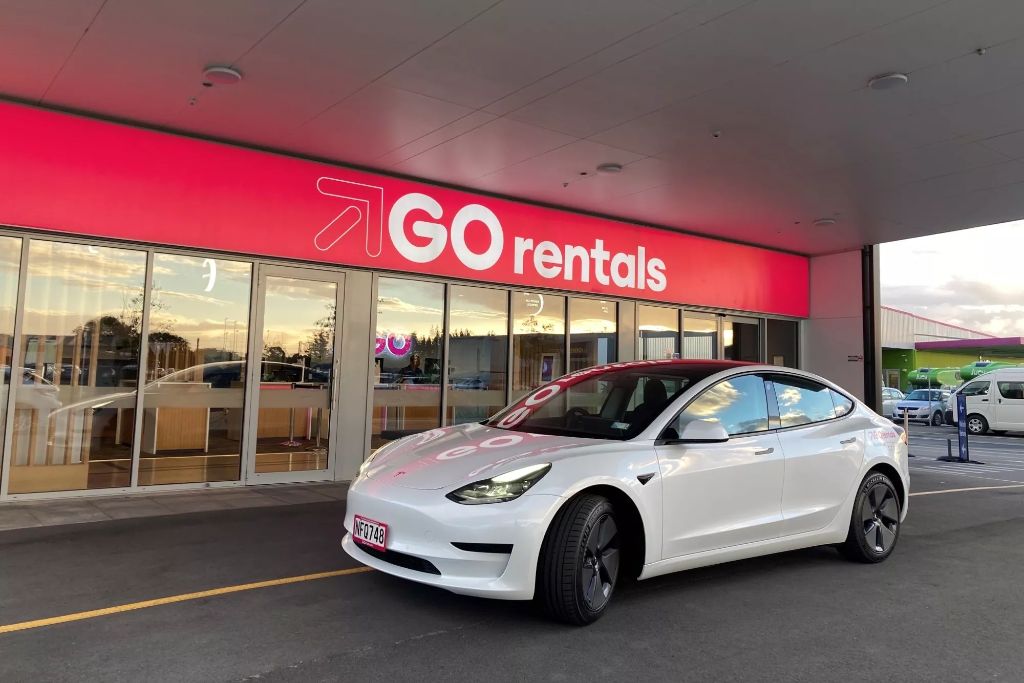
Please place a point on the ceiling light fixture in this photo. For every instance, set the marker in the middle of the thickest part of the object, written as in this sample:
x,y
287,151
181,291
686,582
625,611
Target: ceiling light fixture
x,y
609,168
822,222
888,81
220,75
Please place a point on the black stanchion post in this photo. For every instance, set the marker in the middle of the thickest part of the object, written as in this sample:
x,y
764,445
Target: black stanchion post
x,y
961,431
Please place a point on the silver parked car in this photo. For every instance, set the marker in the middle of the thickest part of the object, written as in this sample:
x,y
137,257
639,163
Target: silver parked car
x,y
923,405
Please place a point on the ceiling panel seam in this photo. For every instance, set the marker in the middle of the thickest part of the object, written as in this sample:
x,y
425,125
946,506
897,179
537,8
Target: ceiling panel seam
x,y
71,54
549,75
402,62
266,35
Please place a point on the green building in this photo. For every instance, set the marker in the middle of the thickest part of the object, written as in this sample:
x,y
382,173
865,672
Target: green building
x,y
911,343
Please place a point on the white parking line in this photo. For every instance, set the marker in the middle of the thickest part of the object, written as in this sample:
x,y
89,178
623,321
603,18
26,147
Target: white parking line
x,y
973,488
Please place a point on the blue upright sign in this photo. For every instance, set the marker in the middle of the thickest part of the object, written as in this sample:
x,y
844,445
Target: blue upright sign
x,y
961,421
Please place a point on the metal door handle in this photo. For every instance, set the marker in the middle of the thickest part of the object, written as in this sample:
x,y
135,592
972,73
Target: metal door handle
x,y
846,442
765,451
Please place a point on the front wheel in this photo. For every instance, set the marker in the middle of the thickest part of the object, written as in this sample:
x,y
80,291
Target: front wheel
x,y
875,522
936,419
579,562
977,424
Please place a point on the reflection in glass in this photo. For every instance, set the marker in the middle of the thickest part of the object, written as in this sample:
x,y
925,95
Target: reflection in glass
x,y
803,401
294,402
195,370
700,336
477,351
10,260
739,404
407,358
658,329
592,333
782,342
538,340
741,341
80,350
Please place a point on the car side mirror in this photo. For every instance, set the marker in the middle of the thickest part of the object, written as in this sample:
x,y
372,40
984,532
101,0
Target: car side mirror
x,y
701,431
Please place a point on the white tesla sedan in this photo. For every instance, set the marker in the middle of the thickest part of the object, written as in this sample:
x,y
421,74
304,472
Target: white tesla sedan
x,y
631,470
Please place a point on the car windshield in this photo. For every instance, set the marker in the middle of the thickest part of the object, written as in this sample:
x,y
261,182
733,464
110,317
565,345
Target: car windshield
x,y
923,395
606,402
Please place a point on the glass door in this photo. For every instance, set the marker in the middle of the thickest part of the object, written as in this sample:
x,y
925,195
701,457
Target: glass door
x,y
289,420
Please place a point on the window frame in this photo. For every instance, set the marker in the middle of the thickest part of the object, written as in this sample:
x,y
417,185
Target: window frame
x,y
826,386
981,382
999,388
662,440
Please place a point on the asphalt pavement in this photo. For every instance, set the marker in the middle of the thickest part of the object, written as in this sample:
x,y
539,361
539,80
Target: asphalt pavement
x,y
947,606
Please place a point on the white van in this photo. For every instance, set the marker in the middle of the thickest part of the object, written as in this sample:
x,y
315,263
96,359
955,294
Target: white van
x,y
995,402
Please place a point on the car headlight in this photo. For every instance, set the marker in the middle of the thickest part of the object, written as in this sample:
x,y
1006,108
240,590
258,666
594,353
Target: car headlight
x,y
502,488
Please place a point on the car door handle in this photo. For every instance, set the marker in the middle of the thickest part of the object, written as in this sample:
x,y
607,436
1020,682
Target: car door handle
x,y
765,451
847,442
984,400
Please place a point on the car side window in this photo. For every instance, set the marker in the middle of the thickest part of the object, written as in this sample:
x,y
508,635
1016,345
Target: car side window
x,y
803,401
1011,389
843,405
738,403
975,389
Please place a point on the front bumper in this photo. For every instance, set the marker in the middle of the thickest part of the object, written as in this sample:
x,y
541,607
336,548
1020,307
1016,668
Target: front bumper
x,y
423,524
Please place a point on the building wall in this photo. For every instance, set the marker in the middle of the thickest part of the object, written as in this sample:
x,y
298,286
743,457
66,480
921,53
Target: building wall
x,y
902,330
834,331
906,360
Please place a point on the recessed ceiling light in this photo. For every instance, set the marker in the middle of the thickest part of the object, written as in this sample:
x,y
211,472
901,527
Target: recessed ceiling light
x,y
821,222
888,81
221,75
609,168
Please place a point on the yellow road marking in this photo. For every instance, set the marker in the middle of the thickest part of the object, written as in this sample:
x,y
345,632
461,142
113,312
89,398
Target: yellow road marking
x,y
117,609
974,488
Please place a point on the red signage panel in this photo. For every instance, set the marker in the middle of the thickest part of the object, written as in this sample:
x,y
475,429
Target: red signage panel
x,y
80,175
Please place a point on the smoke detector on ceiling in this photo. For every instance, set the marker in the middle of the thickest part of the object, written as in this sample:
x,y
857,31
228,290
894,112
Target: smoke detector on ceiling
x,y
888,81
220,75
609,168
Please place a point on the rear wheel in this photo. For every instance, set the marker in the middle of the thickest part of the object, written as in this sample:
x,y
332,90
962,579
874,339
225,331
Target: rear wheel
x,y
579,562
977,424
875,522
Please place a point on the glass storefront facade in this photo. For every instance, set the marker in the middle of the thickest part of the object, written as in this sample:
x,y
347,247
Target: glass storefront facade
x,y
238,360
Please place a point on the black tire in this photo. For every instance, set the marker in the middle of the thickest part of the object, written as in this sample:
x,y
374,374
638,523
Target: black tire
x,y
976,424
579,561
937,418
875,521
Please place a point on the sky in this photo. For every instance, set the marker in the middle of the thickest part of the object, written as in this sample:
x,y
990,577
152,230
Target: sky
x,y
972,278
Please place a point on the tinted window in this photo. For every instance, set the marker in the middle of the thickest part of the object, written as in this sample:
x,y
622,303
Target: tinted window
x,y
802,401
1012,389
602,404
739,404
842,404
975,389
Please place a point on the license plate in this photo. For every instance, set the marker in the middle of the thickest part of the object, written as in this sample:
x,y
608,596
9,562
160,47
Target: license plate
x,y
369,532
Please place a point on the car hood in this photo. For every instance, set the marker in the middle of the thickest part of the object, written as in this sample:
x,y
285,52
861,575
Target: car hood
x,y
450,456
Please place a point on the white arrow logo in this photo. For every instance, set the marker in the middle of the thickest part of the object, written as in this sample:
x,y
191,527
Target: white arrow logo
x,y
364,207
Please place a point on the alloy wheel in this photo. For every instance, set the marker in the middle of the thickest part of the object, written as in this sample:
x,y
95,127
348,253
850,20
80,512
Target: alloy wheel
x,y
600,563
974,425
880,512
